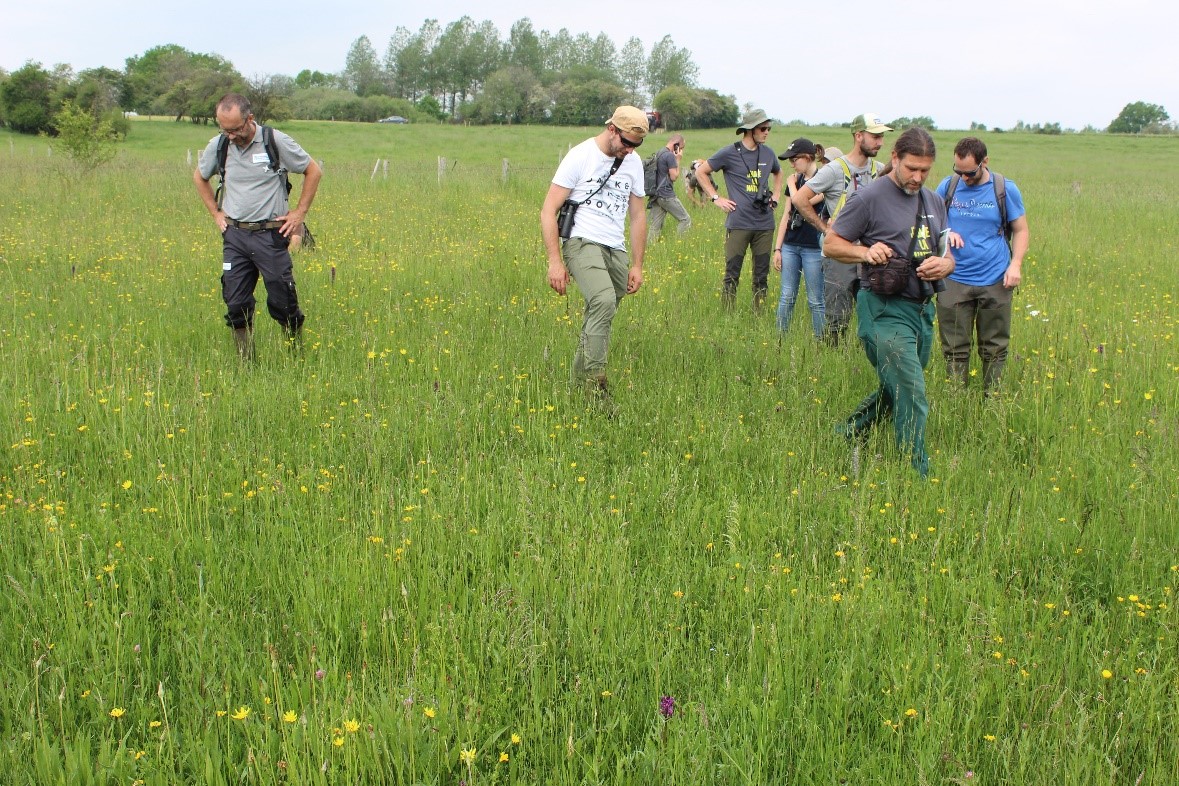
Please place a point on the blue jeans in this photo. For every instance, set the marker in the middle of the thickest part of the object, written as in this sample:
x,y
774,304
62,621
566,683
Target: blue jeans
x,y
796,262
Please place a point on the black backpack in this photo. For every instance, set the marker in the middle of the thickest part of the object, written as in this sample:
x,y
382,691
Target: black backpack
x,y
271,153
651,173
1000,199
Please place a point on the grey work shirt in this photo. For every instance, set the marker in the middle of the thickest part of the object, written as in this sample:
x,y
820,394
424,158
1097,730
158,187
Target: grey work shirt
x,y
831,181
253,191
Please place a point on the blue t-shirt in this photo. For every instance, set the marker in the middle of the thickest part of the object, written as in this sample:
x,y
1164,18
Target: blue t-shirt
x,y
974,214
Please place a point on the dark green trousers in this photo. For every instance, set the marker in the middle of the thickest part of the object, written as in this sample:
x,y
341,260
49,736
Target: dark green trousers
x,y
897,335
964,311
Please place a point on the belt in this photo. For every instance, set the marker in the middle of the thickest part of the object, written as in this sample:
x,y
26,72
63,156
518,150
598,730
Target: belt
x,y
254,226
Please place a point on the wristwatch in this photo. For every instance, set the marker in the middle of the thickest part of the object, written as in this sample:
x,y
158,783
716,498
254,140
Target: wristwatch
x,y
715,197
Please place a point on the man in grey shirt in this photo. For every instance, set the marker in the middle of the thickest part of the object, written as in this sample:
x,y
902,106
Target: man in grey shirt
x,y
663,199
748,165
253,217
836,181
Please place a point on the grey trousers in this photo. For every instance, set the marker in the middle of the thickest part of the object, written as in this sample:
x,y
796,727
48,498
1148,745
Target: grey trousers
x,y
659,209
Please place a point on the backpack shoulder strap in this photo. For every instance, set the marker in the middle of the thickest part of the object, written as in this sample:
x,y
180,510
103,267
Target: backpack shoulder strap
x,y
950,189
1001,200
272,154
874,168
847,181
222,154
847,175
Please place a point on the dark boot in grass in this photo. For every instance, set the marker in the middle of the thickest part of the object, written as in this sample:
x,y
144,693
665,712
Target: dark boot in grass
x,y
759,301
295,341
243,339
958,371
598,391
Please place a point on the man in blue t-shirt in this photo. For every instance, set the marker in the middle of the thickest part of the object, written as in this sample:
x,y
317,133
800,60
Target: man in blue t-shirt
x,y
978,293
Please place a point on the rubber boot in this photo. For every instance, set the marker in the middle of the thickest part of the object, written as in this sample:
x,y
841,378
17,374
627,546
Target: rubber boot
x,y
759,300
958,371
243,339
992,372
295,341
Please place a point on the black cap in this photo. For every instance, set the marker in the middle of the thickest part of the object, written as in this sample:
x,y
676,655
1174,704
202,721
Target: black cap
x,y
799,147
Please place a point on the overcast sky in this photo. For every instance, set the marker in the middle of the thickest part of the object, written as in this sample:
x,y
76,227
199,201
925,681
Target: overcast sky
x,y
1039,61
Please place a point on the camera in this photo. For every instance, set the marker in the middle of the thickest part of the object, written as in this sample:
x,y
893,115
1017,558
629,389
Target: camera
x,y
565,218
795,221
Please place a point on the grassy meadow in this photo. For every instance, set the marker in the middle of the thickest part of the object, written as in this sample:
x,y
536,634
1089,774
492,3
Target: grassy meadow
x,y
410,555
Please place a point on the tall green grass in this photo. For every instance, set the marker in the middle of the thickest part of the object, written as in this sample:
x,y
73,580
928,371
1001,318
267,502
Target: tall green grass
x,y
411,549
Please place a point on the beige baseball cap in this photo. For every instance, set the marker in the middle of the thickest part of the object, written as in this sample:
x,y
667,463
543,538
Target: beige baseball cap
x,y
630,120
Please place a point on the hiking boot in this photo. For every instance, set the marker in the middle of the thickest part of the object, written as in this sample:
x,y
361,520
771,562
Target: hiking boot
x,y
295,341
599,394
243,339
728,299
759,301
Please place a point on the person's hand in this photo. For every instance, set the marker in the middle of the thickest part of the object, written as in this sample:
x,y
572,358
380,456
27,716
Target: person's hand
x,y
726,205
935,268
558,277
222,221
956,240
291,222
778,260
877,254
1013,276
634,280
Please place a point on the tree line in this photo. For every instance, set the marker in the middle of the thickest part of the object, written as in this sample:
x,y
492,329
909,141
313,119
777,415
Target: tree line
x,y
463,72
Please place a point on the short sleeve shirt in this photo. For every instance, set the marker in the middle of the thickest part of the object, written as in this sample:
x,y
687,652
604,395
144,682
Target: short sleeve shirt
x,y
974,214
602,218
253,191
666,161
747,173
910,224
831,181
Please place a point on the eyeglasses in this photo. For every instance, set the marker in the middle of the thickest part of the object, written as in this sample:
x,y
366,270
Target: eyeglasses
x,y
764,129
971,173
626,142
236,132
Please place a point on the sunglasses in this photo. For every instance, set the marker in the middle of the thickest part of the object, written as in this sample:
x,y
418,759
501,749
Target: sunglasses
x,y
626,142
764,129
970,173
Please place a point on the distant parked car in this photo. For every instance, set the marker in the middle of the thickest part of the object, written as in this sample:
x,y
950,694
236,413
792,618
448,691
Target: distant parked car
x,y
393,119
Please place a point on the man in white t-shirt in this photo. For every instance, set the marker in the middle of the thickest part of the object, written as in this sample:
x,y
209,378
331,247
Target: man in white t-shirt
x,y
603,178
